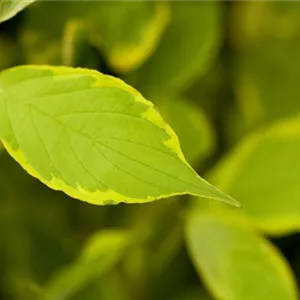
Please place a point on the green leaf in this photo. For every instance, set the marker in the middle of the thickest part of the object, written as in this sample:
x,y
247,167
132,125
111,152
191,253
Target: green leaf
x,y
127,31
263,172
76,49
39,229
41,38
9,8
234,261
103,250
27,290
194,131
266,40
185,51
8,52
194,294
93,137
108,287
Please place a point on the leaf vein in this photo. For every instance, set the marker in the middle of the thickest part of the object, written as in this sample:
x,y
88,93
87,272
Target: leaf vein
x,y
137,161
83,166
124,171
139,144
100,151
44,144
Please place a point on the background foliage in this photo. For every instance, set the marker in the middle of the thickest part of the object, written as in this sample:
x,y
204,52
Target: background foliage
x,y
225,75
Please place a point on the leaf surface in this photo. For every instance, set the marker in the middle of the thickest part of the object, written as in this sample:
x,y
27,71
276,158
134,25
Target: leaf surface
x,y
266,41
9,8
100,254
194,130
93,137
236,262
187,47
263,172
127,31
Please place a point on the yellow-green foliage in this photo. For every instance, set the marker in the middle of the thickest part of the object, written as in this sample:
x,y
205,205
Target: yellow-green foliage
x,y
221,79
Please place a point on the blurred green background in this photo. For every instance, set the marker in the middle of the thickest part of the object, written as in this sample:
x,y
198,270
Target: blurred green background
x,y
226,77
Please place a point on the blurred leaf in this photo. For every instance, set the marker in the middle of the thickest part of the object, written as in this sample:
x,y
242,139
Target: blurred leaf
x,y
263,173
158,229
267,44
35,235
108,287
25,290
76,49
65,145
194,131
8,52
194,294
40,36
9,8
65,41
167,250
103,250
127,31
161,222
135,268
257,77
186,50
235,262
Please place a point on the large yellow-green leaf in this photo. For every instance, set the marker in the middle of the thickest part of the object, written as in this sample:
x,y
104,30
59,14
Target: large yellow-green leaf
x,y
185,51
93,137
195,133
102,252
234,261
9,8
263,172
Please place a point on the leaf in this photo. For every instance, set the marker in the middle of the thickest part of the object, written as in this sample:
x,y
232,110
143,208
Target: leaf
x,y
8,52
236,262
194,131
101,253
9,8
263,172
127,31
194,294
27,290
41,38
185,51
76,49
73,38
267,48
93,137
30,227
108,287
